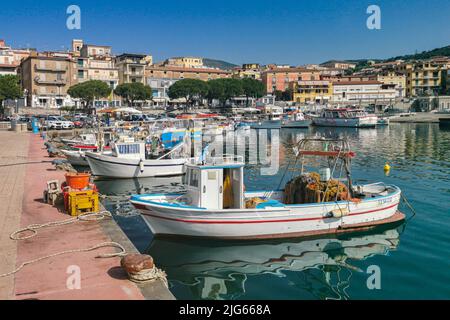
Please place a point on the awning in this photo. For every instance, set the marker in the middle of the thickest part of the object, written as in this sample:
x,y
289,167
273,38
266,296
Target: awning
x,y
107,110
128,110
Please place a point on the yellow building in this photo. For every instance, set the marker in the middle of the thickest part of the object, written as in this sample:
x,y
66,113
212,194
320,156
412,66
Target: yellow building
x,y
396,79
423,77
310,91
185,62
249,70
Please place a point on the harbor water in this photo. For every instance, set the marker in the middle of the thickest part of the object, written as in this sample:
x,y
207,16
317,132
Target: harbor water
x,y
407,261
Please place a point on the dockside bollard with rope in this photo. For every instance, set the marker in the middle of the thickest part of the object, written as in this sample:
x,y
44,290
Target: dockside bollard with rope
x,y
140,268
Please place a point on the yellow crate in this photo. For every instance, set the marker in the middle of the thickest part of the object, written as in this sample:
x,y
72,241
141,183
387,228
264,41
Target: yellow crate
x,y
82,202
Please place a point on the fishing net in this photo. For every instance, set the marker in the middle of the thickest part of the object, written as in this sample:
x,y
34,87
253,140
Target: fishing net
x,y
309,188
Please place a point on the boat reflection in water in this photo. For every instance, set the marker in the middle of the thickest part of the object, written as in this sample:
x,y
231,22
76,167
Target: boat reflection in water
x,y
125,187
219,270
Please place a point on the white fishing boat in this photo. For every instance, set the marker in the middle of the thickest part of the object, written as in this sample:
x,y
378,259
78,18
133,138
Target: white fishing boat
x,y
296,120
77,154
88,139
216,205
268,122
354,118
131,160
383,121
242,126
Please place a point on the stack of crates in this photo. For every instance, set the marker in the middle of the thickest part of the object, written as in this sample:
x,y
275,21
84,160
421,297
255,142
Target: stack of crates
x,y
80,201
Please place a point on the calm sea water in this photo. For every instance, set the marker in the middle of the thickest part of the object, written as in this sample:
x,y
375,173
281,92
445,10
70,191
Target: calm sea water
x,y
413,258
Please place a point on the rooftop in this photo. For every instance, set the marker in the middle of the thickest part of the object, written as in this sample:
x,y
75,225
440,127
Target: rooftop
x,y
335,83
182,69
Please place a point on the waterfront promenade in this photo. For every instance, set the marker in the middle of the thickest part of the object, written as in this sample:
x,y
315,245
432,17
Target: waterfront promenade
x,y
24,170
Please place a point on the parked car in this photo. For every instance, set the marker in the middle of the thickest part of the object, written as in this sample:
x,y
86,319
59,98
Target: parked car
x,y
58,123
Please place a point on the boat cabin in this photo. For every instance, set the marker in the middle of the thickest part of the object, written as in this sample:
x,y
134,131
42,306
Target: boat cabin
x,y
134,150
344,113
216,184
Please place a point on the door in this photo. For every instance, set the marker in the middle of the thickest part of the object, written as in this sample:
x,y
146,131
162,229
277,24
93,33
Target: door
x,y
212,189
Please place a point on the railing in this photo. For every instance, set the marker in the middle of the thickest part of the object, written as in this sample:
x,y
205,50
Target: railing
x,y
226,159
51,82
49,69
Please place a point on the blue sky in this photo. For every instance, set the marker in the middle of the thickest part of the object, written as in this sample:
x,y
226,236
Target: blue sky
x,y
240,31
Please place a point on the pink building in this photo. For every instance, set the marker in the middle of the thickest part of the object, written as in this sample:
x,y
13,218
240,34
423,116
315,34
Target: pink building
x,y
276,78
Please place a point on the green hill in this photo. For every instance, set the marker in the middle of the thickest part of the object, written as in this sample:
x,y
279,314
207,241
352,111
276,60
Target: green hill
x,y
444,51
211,63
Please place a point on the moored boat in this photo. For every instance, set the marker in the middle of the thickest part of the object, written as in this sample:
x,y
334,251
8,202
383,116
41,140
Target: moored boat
x,y
76,155
131,160
383,121
270,122
296,120
87,139
215,204
345,117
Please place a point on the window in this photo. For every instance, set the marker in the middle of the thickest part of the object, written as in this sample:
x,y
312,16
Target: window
x,y
129,149
194,178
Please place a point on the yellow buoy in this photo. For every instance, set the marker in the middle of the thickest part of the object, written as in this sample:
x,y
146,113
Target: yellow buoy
x,y
387,169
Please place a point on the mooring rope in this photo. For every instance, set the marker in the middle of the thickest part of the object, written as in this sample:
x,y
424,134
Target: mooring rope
x,y
91,216
140,277
409,205
149,275
96,247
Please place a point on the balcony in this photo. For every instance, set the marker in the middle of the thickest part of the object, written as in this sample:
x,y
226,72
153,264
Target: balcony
x,y
135,73
56,82
49,69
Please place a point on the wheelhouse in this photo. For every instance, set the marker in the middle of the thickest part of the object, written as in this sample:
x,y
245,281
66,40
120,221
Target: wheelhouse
x,y
215,184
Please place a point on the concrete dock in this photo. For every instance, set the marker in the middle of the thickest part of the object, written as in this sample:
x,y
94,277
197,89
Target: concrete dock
x,y
24,170
420,117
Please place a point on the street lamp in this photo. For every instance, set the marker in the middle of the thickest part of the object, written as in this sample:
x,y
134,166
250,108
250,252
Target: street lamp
x,y
164,85
25,97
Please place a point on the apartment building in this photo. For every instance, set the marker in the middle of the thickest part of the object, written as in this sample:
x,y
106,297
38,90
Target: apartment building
x,y
395,79
160,78
362,93
249,70
315,92
96,62
447,84
46,79
341,65
423,77
276,78
132,67
10,59
185,62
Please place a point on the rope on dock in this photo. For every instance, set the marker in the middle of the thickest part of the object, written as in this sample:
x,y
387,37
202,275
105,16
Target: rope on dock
x,y
99,246
149,275
143,276
91,216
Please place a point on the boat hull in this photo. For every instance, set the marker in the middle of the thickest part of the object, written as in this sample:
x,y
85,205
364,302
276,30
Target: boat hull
x,y
269,223
112,167
297,124
267,124
75,158
363,122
